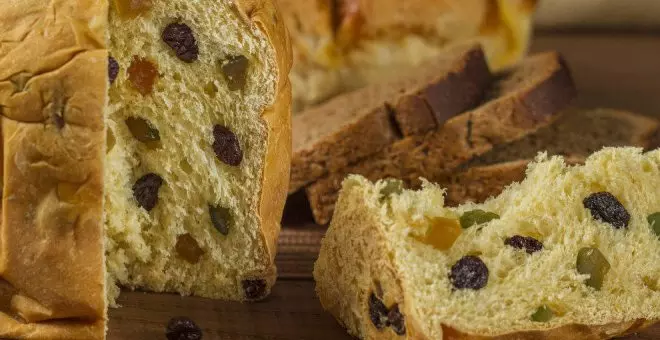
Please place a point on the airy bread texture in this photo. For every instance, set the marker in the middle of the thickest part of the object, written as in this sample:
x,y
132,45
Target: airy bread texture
x,y
342,45
175,247
394,250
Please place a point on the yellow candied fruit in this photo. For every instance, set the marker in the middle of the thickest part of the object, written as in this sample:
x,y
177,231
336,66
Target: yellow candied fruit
x,y
142,73
132,8
441,233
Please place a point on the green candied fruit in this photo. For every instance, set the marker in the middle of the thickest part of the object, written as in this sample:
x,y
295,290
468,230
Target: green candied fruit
x,y
654,222
543,314
476,217
591,261
392,187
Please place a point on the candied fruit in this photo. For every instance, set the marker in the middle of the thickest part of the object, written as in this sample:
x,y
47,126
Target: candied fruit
x,y
441,233
142,73
235,70
392,187
592,262
654,222
132,8
142,130
188,249
543,314
476,217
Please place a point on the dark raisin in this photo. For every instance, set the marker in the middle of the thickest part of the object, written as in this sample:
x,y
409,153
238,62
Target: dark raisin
x,y
182,328
113,69
530,244
254,289
226,146
145,190
181,39
396,320
607,208
378,312
235,71
470,272
221,219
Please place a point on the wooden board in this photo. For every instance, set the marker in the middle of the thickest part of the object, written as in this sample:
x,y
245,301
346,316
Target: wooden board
x,y
619,71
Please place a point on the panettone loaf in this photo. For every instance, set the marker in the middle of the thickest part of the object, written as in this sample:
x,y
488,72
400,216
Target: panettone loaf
x,y
166,121
575,135
357,124
529,97
342,45
571,252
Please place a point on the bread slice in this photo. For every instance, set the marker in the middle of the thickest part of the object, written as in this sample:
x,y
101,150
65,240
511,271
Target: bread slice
x,y
575,135
353,126
571,252
526,99
195,100
340,46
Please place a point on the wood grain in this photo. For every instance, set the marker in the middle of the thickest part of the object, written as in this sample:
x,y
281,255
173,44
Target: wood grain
x,y
619,71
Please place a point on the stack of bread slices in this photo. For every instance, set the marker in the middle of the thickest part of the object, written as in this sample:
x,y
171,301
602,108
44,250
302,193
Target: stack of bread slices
x,y
454,122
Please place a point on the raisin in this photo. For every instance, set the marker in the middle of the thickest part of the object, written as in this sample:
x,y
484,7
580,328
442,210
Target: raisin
x,y
470,272
607,208
142,73
530,244
542,314
142,130
181,39
654,222
221,219
392,187
592,262
113,69
188,249
254,289
145,190
396,320
235,70
378,312
132,8
226,146
476,217
182,328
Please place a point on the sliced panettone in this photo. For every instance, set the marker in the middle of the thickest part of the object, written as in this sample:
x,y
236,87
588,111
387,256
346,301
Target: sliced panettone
x,y
575,135
168,123
525,99
571,252
363,122
342,45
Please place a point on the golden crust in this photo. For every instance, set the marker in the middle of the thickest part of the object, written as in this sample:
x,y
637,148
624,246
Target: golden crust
x,y
53,140
275,179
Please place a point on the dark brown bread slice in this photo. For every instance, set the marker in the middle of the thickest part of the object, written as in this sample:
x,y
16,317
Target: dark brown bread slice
x,y
529,97
353,126
576,135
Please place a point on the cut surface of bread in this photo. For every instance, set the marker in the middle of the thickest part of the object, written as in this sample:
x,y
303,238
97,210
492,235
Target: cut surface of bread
x,y
525,99
571,252
343,45
575,135
167,122
197,160
355,125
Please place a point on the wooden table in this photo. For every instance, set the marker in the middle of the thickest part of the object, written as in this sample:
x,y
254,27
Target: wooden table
x,y
619,71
